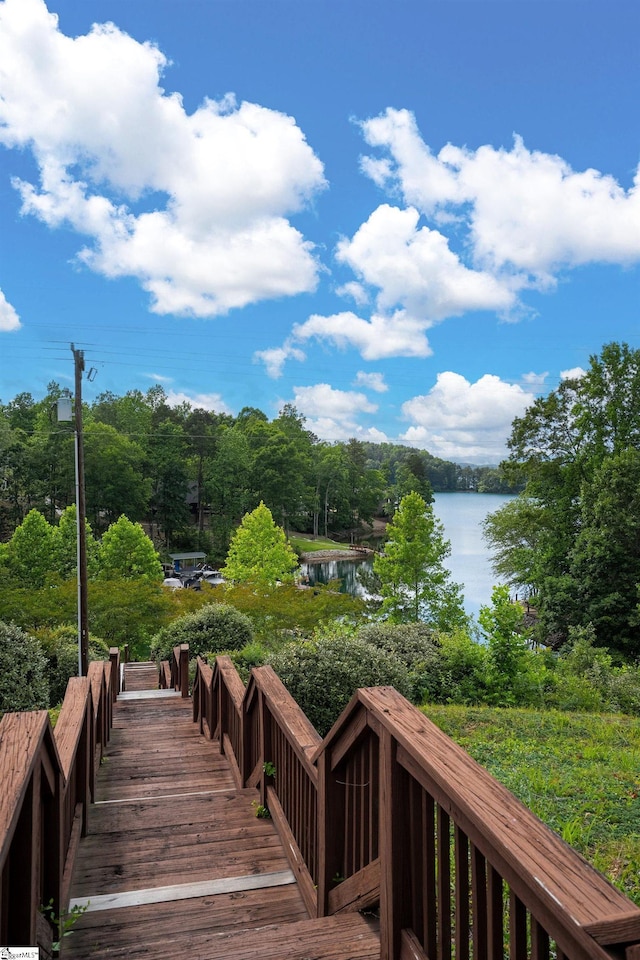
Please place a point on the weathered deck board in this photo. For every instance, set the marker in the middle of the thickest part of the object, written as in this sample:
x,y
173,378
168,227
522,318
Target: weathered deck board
x,y
266,931
143,837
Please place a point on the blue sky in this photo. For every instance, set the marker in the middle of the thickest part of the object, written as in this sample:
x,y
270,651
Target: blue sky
x,y
407,218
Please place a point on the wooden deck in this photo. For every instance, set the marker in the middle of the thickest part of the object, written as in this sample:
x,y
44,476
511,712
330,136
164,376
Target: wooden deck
x,y
176,863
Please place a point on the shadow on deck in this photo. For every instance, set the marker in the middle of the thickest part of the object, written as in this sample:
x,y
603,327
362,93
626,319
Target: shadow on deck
x,y
177,864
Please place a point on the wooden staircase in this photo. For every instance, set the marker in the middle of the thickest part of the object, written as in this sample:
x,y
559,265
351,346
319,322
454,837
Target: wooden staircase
x,y
177,864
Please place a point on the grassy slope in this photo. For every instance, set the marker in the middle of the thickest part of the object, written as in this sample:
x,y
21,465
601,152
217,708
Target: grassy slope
x,y
308,545
580,773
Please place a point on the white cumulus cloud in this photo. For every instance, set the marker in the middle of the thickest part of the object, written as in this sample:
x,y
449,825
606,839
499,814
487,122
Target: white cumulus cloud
x,y
413,268
195,206
575,373
274,358
528,214
464,421
372,381
340,410
398,335
198,401
9,319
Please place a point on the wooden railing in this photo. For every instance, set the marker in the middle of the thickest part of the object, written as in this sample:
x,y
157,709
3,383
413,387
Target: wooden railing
x,y
174,673
47,779
388,811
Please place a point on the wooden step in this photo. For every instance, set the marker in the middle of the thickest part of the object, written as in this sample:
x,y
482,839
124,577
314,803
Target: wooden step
x,y
347,937
164,936
141,676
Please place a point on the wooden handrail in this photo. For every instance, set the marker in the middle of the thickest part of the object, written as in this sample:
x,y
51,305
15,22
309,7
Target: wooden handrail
x,y
387,809
47,781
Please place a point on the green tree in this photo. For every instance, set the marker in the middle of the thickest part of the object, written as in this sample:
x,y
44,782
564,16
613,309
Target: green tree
x,y
567,445
514,533
114,478
259,552
31,554
227,485
280,472
66,546
605,561
129,611
503,628
169,476
127,552
415,584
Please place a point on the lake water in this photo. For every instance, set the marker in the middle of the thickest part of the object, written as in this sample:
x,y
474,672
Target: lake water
x,y
462,515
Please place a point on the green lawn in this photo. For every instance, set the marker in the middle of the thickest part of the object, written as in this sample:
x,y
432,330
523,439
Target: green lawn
x,y
307,544
580,773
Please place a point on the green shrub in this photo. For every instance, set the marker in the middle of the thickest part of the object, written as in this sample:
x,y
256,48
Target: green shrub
x,y
23,677
463,669
253,655
215,628
573,693
584,677
323,675
417,647
60,646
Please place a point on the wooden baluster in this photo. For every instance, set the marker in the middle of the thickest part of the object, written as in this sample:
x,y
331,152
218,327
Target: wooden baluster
x,y
539,942
479,906
461,847
331,805
517,928
395,844
444,884
495,919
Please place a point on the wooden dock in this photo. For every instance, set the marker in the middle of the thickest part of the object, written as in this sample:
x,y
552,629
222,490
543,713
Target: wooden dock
x,y
177,864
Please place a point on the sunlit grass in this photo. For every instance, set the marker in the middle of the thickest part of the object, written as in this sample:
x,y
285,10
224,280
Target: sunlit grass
x,y
580,773
309,545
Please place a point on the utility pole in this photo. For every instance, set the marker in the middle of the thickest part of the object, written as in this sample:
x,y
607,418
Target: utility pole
x,y
83,610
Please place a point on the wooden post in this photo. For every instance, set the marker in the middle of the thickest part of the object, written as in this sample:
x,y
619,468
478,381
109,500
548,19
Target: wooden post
x,y
114,658
184,669
264,734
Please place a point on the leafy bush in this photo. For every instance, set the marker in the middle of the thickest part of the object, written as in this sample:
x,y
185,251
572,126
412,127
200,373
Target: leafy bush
x,y
215,628
128,611
323,675
253,655
60,646
417,647
584,677
463,669
23,678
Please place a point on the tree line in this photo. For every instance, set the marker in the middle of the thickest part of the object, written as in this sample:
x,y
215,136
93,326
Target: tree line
x,y
571,539
191,474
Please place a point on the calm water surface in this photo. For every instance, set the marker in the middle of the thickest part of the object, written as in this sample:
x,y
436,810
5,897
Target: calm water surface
x,y
462,515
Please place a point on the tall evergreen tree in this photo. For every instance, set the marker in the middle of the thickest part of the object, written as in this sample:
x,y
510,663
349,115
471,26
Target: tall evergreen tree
x,y
415,584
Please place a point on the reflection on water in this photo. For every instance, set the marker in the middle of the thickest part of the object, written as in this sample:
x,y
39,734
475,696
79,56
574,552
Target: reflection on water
x,y
346,571
462,515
